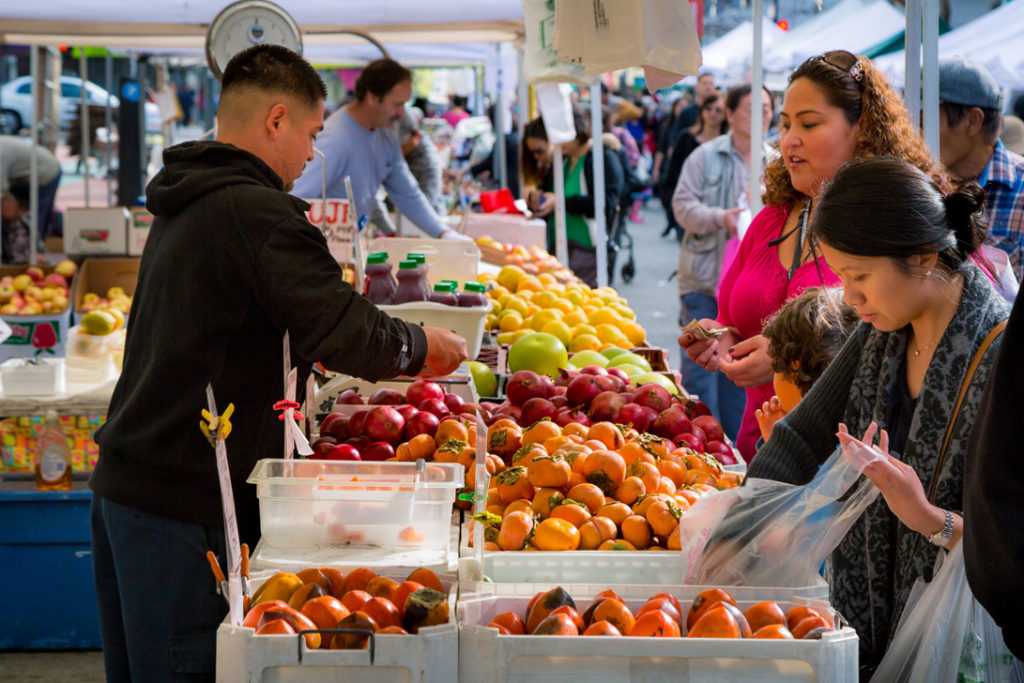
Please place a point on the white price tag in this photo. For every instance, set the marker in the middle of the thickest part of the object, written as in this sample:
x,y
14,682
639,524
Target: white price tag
x,y
234,551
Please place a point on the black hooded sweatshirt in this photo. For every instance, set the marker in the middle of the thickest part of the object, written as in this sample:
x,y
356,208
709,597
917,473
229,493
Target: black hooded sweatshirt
x,y
230,263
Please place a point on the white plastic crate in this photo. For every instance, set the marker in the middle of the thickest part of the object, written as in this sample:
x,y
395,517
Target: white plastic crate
x,y
468,323
29,377
446,259
488,657
431,656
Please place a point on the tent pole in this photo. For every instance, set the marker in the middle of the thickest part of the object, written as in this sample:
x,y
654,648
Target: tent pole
x,y
597,153
930,76
109,68
912,75
33,193
523,105
83,73
756,99
561,246
499,124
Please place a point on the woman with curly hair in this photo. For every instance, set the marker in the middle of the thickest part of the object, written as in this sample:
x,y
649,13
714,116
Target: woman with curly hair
x,y
837,107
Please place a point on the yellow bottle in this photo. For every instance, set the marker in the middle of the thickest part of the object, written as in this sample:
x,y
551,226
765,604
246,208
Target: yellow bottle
x,y
52,457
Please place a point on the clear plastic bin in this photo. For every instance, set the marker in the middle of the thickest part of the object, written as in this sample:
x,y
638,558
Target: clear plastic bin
x,y
310,503
468,323
22,377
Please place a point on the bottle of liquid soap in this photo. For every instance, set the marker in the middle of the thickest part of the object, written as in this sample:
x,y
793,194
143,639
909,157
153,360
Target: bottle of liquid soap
x,y
52,458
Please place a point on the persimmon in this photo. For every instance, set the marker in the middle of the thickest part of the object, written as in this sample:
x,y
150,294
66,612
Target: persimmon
x,y
297,620
606,469
325,611
518,505
690,495
773,631
556,625
614,511
545,500
588,494
797,614
666,486
450,429
602,628
421,446
608,434
314,576
616,613
674,542
808,624
275,627
402,592
763,614
427,577
616,544
636,530
548,472
533,601
354,600
513,484
629,490
392,631
336,579
663,516
382,611
525,455
633,451
571,612
252,617
575,429
552,444
556,534
672,470
702,462
357,621
647,472
697,478
305,593
671,598
494,464
515,531
643,503
541,431
573,512
511,621
596,531
704,600
741,620
424,607
504,438
716,622
655,624
358,578
665,604
546,603
381,587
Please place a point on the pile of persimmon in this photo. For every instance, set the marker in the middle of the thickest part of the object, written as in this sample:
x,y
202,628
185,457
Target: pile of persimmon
x,y
713,614
325,598
603,487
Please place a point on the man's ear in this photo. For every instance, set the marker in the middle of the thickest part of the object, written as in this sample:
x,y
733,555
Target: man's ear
x,y
975,118
275,119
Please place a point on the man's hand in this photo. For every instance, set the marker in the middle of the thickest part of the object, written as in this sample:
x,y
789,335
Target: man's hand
x,y
445,350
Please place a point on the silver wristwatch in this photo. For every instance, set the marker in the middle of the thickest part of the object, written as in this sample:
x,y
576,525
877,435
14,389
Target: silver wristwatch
x,y
943,536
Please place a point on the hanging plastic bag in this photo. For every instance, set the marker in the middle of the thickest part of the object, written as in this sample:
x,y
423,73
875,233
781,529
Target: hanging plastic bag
x,y
768,533
540,61
945,634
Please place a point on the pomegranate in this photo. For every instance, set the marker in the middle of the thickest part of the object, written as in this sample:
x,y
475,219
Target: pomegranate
x,y
695,408
605,405
652,415
407,410
435,406
593,370
336,425
420,423
564,377
522,386
559,400
722,452
690,441
342,451
350,397
378,451
421,390
454,402
653,396
322,446
358,442
386,397
620,373
510,411
712,427
608,382
669,423
567,415
582,390
535,410
632,414
548,385
357,422
698,432
384,423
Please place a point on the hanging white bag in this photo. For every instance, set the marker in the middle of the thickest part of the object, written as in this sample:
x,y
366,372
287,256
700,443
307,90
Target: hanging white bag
x,y
540,61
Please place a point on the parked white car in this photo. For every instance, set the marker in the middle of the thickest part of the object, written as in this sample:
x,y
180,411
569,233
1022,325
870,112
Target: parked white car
x,y
16,102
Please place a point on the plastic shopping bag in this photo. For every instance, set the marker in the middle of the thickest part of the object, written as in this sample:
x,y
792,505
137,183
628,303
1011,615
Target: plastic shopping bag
x,y
768,533
540,61
945,634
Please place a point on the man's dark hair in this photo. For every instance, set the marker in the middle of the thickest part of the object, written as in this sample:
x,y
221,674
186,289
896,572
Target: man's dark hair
x,y
991,124
274,68
379,77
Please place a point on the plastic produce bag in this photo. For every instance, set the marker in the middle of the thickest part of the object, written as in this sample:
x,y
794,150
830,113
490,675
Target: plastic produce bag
x,y
540,61
945,634
768,533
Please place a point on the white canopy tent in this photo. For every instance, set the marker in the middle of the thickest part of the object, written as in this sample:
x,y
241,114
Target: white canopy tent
x,y
994,40
729,58
853,25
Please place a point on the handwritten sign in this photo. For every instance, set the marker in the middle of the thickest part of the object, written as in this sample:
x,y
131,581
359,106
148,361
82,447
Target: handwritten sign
x,y
334,217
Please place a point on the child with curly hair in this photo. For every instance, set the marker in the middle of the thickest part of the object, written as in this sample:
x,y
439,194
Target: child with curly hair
x,y
803,338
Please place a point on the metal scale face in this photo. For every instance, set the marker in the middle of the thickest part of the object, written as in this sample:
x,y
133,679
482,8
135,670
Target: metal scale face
x,y
246,23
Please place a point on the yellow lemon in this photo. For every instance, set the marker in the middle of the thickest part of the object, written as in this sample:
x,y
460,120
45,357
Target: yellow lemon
x,y
605,316
544,298
530,284
514,303
584,342
574,317
98,323
558,329
118,317
510,277
497,292
547,279
583,329
545,316
634,333
565,305
575,296
533,309
510,321
491,321
624,311
611,333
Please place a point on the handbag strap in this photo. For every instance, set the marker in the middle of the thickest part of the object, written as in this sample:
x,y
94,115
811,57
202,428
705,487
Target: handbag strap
x,y
996,331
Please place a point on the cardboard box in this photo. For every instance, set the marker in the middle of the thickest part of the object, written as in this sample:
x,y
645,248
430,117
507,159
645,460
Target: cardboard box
x,y
96,231
44,334
100,274
139,224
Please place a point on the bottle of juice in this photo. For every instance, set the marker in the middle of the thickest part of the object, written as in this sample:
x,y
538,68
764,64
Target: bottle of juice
x,y
410,285
379,285
52,457
444,293
421,259
473,295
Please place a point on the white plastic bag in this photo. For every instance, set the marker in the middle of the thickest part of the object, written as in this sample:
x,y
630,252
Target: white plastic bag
x,y
540,61
768,533
945,634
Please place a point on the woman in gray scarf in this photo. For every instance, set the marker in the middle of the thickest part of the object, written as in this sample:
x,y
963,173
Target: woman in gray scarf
x,y
901,250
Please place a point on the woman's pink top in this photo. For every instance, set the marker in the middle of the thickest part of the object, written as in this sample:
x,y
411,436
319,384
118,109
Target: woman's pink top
x,y
754,287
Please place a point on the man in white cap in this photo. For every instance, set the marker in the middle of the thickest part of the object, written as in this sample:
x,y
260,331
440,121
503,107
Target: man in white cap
x,y
970,120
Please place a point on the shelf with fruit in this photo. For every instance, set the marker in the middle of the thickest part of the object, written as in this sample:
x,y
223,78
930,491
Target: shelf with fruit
x,y
532,260
116,299
36,291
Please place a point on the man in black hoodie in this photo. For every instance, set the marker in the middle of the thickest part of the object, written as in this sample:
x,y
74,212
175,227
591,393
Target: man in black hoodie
x,y
231,263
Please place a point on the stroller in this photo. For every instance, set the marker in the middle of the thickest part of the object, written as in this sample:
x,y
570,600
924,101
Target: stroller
x,y
620,240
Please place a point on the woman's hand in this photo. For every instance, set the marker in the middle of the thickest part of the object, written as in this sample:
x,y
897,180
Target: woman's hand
x,y
897,482
545,204
747,363
705,352
768,414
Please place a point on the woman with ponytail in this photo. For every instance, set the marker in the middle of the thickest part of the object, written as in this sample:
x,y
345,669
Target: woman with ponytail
x,y
915,369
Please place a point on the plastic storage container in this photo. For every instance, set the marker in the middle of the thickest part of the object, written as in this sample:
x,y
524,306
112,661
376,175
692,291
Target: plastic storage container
x,y
410,284
487,657
24,378
400,505
380,284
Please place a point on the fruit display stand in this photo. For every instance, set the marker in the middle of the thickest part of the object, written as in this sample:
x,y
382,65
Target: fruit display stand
x,y
486,656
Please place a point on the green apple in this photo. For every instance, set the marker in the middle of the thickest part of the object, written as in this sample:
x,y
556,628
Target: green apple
x,y
656,378
541,352
582,359
630,358
631,370
613,352
483,379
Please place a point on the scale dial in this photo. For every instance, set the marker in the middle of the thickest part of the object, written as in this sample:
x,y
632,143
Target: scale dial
x,y
246,23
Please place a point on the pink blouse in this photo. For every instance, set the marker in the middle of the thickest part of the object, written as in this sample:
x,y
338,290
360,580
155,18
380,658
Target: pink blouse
x,y
754,287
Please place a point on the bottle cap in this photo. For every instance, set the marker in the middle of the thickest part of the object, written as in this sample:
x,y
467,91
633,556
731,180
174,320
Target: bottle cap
x,y
475,287
407,264
379,257
417,256
444,287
